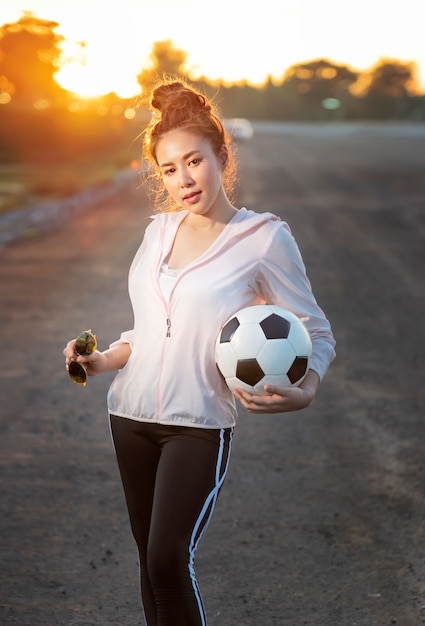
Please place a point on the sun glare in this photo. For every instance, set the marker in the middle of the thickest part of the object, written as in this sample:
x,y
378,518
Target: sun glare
x,y
107,45
90,81
92,69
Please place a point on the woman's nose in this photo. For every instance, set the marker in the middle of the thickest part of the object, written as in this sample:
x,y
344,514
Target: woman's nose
x,y
186,179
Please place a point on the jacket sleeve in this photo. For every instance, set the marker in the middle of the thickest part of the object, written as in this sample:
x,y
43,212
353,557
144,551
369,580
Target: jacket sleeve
x,y
284,282
126,337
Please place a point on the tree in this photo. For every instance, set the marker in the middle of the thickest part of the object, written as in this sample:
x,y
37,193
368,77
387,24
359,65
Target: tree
x,y
391,78
166,61
29,59
386,89
308,85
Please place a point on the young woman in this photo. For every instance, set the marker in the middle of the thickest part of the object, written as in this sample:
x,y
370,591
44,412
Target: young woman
x,y
172,416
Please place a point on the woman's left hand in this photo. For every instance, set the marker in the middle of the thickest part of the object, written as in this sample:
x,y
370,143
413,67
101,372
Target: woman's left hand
x,y
280,399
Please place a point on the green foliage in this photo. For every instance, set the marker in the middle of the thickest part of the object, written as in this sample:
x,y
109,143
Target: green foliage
x,y
29,59
53,135
321,90
387,90
166,60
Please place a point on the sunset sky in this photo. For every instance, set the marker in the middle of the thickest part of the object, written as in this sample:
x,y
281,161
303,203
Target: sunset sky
x,y
228,39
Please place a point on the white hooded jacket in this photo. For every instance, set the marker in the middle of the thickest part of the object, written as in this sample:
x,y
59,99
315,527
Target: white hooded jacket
x,y
171,376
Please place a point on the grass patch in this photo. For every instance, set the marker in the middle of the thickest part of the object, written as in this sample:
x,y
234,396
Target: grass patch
x,y
25,185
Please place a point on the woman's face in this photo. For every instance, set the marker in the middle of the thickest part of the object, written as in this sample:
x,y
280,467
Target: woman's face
x,y
192,172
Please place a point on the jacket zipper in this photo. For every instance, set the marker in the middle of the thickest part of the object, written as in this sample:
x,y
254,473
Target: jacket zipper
x,y
168,320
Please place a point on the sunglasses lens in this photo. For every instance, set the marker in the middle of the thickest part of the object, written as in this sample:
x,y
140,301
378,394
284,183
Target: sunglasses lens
x,y
86,344
77,373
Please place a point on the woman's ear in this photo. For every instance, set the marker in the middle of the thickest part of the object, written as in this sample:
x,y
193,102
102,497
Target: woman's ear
x,y
224,155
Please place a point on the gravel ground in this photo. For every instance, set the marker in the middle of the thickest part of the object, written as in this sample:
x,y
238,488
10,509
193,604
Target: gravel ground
x,y
321,520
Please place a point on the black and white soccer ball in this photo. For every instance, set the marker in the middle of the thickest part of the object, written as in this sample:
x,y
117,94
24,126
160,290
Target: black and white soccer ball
x,y
263,344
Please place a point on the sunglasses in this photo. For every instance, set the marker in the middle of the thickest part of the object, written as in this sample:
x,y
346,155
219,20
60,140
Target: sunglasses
x,y
85,345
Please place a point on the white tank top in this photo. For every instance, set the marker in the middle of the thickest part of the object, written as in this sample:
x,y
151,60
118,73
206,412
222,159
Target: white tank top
x,y
167,278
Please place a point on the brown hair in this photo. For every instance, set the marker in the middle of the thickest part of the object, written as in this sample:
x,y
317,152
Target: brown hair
x,y
174,105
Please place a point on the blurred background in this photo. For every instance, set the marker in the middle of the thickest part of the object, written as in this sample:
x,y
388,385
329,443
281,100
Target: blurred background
x,y
73,76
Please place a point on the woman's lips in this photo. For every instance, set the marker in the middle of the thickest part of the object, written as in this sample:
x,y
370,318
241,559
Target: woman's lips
x,y
192,197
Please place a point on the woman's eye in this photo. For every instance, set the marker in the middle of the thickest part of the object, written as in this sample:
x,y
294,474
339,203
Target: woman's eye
x,y
169,172
194,161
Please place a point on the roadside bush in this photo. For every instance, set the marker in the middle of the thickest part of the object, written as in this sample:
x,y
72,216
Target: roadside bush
x,y
49,136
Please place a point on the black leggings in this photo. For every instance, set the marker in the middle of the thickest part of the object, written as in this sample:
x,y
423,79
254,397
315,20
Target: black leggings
x,y
171,476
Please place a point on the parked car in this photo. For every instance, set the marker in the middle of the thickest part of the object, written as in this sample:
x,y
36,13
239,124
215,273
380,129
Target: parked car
x,y
239,128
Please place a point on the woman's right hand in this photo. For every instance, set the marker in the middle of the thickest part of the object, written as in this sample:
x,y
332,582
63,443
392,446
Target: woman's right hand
x,y
98,362
94,364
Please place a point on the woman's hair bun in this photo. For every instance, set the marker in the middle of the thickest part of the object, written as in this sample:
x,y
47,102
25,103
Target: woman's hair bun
x,y
175,98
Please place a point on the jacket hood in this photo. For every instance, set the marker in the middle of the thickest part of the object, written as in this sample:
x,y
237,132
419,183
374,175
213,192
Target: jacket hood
x,y
243,222
244,218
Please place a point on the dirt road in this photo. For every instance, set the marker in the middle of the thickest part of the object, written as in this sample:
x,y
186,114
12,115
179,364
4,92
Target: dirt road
x,y
322,519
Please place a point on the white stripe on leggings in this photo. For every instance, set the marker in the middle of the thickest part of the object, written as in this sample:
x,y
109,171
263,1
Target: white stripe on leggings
x,y
209,503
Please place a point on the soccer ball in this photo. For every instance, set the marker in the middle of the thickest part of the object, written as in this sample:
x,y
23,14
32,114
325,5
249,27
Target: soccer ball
x,y
263,344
